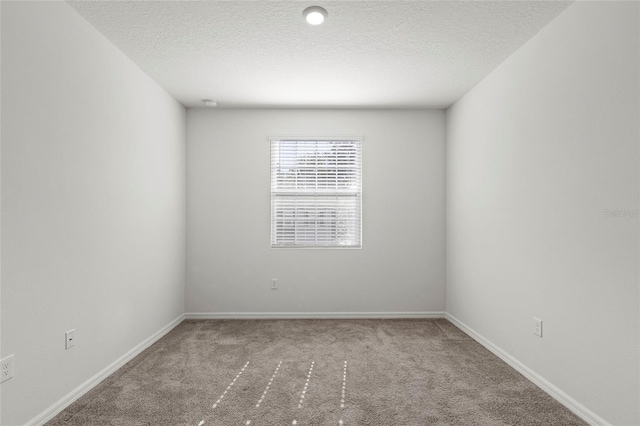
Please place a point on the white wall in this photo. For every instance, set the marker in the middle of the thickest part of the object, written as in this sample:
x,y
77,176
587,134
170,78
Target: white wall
x,y
537,154
229,261
93,204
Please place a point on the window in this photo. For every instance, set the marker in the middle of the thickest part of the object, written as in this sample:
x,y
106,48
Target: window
x,y
316,193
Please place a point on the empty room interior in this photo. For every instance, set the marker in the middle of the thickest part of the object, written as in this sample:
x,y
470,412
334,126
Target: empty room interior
x,y
320,213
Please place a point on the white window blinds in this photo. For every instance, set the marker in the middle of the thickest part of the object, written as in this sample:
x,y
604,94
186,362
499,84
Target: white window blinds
x,y
316,193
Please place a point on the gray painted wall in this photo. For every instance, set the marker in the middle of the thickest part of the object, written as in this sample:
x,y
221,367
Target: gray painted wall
x,y
93,204
230,263
542,206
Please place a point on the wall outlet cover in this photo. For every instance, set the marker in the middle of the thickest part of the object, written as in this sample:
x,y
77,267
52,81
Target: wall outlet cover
x,y
69,339
6,368
537,326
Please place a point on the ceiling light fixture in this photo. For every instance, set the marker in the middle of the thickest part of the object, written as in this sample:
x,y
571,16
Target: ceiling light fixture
x,y
315,15
209,103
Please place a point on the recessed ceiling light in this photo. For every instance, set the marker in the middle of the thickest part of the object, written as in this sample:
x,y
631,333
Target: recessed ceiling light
x,y
209,103
315,15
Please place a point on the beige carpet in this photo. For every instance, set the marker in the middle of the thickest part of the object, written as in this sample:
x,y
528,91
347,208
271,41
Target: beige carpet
x,y
316,372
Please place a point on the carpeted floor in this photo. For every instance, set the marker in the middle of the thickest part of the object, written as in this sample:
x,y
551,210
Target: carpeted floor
x,y
316,372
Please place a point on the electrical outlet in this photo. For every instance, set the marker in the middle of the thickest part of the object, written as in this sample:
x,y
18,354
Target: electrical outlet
x,y
274,283
537,327
6,368
69,339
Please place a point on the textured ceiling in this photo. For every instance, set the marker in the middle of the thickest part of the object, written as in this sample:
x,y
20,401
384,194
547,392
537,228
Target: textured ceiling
x,y
366,54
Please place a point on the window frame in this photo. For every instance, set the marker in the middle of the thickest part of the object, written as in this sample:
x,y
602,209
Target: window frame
x,y
357,139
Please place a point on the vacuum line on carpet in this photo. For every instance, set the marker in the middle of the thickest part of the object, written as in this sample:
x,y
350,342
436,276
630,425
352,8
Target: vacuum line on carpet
x,y
306,385
273,376
233,382
304,390
268,385
344,390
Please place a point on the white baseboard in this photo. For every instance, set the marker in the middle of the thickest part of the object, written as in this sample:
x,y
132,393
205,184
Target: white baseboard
x,y
311,315
560,396
63,403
